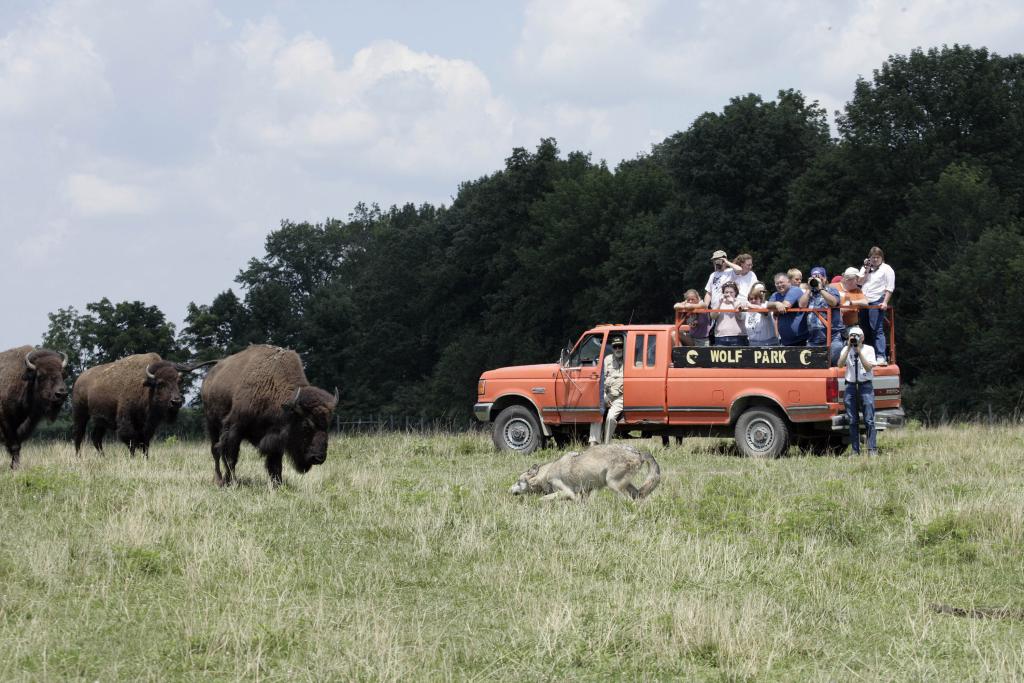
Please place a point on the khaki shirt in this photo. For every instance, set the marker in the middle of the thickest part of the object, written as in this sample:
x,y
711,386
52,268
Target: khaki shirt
x,y
612,377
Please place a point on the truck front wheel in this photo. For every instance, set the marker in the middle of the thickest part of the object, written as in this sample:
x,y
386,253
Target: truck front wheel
x,y
761,433
517,430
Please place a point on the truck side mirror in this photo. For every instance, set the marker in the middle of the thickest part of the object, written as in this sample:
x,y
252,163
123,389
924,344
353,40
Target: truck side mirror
x,y
563,358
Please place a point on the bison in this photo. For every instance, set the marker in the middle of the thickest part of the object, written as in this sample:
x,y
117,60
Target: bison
x,y
134,395
31,387
261,395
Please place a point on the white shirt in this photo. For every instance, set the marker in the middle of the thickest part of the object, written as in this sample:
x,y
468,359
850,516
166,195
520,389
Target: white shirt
x,y
882,280
759,325
715,286
613,376
744,282
864,375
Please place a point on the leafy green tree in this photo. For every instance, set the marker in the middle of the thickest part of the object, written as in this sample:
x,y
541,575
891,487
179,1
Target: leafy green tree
x,y
966,340
111,331
64,334
215,330
734,170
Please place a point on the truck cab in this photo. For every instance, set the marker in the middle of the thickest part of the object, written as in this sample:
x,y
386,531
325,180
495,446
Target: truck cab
x,y
764,397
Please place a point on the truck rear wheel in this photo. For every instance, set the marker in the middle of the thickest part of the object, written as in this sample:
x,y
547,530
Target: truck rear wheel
x,y
761,433
517,430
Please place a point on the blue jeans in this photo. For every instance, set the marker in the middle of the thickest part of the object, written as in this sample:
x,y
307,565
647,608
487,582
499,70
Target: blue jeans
x,y
771,341
838,342
867,406
873,322
738,340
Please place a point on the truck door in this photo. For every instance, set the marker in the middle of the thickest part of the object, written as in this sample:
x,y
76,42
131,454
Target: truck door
x,y
646,360
578,385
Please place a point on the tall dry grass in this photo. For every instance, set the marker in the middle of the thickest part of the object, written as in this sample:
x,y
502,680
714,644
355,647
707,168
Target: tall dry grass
x,y
403,558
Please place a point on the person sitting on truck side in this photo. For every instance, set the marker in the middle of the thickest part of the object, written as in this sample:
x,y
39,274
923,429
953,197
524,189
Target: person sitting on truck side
x,y
850,294
792,326
613,390
721,275
878,281
760,326
859,360
821,295
743,274
699,322
729,329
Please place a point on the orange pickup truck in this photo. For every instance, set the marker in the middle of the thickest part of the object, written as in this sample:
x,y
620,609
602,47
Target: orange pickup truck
x,y
764,397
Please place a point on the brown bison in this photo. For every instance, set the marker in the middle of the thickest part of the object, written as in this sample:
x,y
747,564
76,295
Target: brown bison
x,y
261,395
31,387
133,395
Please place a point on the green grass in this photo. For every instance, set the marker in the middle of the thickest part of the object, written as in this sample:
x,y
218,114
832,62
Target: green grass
x,y
403,558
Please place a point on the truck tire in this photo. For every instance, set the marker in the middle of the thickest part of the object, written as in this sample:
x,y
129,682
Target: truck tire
x,y
761,433
517,430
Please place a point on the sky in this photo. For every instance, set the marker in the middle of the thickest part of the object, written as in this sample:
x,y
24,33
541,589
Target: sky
x,y
149,146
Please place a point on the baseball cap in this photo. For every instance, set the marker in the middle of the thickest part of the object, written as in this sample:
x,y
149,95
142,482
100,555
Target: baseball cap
x,y
851,272
719,254
617,341
817,270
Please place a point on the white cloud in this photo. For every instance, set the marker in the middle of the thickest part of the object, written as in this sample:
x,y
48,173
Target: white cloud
x,y
389,108
875,30
94,196
47,63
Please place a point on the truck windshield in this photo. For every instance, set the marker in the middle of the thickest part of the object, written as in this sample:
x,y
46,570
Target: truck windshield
x,y
587,351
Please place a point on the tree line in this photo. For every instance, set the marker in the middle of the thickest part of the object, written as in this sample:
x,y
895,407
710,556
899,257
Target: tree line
x,y
403,308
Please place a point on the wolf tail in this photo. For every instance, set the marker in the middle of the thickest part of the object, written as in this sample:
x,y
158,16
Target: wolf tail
x,y
653,476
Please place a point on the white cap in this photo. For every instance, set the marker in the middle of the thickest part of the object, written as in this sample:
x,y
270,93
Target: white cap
x,y
855,330
851,272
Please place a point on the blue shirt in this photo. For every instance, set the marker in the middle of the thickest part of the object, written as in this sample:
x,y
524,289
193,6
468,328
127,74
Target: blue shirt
x,y
816,324
792,326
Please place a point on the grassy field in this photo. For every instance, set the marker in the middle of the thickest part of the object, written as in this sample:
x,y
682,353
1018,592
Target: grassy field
x,y
404,558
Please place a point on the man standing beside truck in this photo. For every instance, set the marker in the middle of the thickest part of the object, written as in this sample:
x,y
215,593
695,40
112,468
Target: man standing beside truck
x,y
613,383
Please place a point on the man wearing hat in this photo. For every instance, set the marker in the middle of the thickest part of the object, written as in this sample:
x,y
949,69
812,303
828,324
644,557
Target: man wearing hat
x,y
850,294
613,364
822,295
723,273
859,360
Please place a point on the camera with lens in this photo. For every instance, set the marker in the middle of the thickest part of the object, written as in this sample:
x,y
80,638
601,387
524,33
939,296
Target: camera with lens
x,y
854,340
815,283
868,267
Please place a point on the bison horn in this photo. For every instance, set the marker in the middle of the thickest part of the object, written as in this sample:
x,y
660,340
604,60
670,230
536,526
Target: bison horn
x,y
64,359
28,361
293,402
193,368
337,394
149,371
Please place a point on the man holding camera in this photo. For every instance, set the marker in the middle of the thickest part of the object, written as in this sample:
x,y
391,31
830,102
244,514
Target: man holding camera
x,y
612,369
821,295
878,281
723,273
859,361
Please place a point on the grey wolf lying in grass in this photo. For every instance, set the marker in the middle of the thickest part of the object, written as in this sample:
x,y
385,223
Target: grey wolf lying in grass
x,y
576,474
